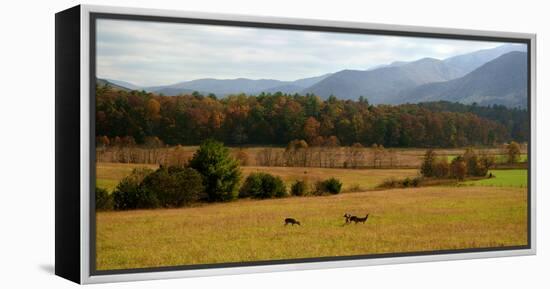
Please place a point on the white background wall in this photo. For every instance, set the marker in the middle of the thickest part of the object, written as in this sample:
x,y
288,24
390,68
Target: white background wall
x,y
27,143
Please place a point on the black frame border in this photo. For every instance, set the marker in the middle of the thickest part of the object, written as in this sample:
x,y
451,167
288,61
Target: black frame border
x,y
94,16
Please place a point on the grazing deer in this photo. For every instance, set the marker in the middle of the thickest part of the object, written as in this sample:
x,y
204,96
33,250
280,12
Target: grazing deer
x,y
359,220
291,221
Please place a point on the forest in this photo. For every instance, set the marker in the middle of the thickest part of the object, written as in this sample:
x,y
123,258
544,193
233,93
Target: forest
x,y
136,117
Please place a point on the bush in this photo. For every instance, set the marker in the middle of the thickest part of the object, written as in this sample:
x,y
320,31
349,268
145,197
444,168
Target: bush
x,y
174,186
263,186
299,188
129,195
103,200
405,183
416,182
458,168
475,165
332,186
390,183
513,150
440,168
221,173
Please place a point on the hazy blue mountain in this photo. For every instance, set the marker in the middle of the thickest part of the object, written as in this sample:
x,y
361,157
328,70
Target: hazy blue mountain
x,y
470,61
224,87
173,91
103,82
126,84
285,88
231,86
500,81
307,82
382,85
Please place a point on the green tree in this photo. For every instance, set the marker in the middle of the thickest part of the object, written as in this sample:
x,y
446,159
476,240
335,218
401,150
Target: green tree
x,y
220,171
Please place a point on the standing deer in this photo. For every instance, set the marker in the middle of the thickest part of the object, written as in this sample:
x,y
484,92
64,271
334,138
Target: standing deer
x,y
359,220
347,216
291,221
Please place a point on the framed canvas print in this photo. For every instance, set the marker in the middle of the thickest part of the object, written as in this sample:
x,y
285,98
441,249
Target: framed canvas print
x,y
195,144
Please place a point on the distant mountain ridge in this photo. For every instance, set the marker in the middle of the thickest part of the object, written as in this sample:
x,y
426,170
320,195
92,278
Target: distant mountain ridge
x,y
388,84
499,81
382,85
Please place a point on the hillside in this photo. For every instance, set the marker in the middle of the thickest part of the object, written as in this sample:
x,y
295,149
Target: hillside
x,y
501,81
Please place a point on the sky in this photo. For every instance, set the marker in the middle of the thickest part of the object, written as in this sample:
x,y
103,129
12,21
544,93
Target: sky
x,y
154,53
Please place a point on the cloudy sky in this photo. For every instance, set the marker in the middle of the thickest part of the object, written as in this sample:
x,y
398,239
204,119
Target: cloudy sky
x,y
154,53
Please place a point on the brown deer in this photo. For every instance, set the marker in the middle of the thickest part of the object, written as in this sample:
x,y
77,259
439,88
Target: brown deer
x,y
358,220
292,221
347,216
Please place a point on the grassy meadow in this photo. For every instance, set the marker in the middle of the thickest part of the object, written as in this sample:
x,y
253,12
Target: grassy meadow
x,y
489,212
503,178
400,220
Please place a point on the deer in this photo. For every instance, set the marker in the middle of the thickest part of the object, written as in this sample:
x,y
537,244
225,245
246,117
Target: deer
x,y
358,219
292,221
347,216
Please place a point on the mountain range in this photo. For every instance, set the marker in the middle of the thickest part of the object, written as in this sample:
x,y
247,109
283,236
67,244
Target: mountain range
x,y
489,76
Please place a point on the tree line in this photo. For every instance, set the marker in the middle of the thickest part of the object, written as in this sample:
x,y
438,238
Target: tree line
x,y
138,117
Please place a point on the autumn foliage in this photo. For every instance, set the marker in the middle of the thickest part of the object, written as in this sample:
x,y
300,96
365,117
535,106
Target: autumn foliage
x,y
276,119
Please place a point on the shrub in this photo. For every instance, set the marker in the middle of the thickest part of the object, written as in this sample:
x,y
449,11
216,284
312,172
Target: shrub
x,y
174,186
263,186
415,182
299,188
513,150
221,173
440,168
129,195
390,183
103,200
458,168
475,165
405,183
331,186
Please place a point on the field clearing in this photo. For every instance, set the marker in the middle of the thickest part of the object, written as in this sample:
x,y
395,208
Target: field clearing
x,y
499,159
109,174
401,220
503,178
387,158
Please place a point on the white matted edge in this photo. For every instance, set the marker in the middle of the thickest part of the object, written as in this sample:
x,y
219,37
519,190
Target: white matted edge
x,y
87,278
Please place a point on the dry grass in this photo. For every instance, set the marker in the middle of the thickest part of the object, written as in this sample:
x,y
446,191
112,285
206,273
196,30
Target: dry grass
x,y
356,179
109,174
402,220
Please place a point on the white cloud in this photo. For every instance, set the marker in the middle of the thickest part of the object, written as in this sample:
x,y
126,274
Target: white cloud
x,y
154,53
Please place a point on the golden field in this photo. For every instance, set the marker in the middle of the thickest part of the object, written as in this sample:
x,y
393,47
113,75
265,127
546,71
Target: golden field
x,y
400,220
